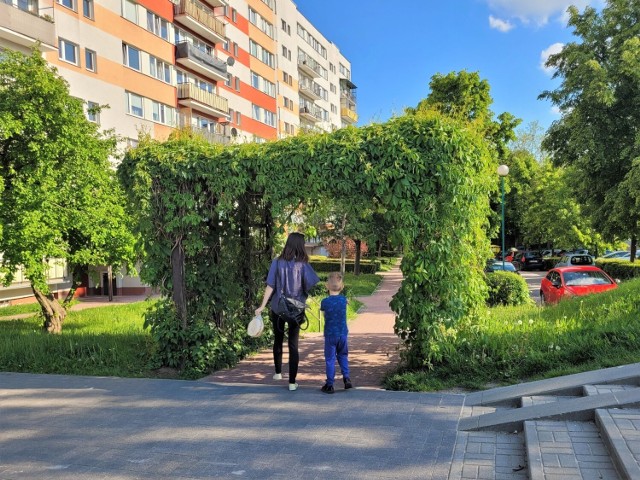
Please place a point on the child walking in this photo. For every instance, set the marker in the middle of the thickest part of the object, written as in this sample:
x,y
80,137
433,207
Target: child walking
x,y
334,310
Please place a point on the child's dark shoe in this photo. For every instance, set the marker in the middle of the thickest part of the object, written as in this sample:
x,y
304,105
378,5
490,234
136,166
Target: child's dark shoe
x,y
327,388
347,384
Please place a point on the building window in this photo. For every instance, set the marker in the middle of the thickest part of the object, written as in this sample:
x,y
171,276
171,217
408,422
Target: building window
x,y
334,109
157,25
268,3
130,11
265,56
93,112
162,113
228,81
131,56
67,51
225,45
237,87
135,104
90,60
68,3
234,15
264,116
87,8
238,118
235,49
333,88
288,79
256,19
159,69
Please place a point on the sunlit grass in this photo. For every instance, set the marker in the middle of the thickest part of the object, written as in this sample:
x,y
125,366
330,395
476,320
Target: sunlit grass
x,y
513,344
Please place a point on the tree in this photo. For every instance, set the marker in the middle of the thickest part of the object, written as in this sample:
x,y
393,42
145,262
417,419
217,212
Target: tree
x,y
59,199
599,96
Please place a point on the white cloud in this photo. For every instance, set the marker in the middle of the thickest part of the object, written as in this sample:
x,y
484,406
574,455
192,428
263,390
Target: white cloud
x,y
537,11
555,110
500,25
544,55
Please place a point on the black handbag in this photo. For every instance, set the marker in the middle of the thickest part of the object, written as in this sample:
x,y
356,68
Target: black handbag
x,y
288,308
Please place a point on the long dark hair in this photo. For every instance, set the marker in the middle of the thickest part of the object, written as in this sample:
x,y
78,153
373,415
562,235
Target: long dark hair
x,y
294,249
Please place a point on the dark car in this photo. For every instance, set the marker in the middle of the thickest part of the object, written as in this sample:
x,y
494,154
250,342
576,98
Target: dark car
x,y
531,260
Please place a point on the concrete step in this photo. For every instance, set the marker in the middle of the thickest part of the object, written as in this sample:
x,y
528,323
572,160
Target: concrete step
x,y
567,385
489,455
543,399
602,389
567,450
621,432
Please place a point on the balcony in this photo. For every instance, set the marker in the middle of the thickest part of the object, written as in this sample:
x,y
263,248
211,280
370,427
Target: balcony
x,y
199,18
348,115
310,90
311,113
24,24
191,57
189,95
217,3
309,66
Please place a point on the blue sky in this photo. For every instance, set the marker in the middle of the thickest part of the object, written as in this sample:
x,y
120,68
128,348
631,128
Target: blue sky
x,y
395,47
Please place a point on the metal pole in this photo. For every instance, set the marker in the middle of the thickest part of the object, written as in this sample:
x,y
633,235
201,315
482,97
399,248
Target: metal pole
x,y
502,184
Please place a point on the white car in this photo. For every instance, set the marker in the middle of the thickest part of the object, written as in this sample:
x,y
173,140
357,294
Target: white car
x,y
574,259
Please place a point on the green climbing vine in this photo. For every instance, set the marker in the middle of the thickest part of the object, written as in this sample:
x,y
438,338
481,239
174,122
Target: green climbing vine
x,y
207,215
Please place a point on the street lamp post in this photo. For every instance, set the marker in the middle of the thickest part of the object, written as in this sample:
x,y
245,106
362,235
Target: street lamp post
x,y
503,171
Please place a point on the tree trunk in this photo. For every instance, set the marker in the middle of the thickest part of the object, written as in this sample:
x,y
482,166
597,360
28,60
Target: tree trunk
x,y
54,313
343,252
110,285
179,287
356,263
634,247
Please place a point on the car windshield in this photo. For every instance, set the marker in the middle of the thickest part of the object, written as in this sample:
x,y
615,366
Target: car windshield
x,y
573,279
581,260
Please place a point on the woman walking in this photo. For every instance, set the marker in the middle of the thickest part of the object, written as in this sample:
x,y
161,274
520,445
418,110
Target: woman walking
x,y
290,276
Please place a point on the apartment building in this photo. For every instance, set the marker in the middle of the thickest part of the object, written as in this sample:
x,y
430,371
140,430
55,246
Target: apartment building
x,y
231,70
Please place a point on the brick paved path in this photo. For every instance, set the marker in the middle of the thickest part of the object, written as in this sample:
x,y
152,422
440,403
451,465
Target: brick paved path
x,y
372,347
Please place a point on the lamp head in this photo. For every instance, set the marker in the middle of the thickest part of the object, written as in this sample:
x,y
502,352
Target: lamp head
x,y
503,170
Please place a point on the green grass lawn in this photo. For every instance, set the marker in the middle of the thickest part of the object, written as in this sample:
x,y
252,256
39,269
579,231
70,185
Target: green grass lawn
x,y
108,341
19,309
515,344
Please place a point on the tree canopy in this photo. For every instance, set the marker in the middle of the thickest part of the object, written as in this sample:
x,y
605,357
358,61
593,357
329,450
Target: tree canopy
x,y
59,198
597,135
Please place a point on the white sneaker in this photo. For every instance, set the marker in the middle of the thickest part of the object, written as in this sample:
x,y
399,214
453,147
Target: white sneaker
x,y
293,387
277,376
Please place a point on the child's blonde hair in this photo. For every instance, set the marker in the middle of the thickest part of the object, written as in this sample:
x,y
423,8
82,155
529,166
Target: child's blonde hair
x,y
334,282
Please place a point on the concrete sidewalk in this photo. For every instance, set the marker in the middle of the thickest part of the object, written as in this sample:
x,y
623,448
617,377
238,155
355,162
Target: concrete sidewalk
x,y
65,427
372,348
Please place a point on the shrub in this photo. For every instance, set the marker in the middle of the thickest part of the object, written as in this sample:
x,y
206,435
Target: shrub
x,y
333,265
620,269
507,288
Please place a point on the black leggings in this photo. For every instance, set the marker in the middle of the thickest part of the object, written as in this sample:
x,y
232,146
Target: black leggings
x,y
279,326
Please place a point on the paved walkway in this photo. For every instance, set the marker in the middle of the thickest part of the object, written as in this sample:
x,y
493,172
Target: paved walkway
x,y
372,348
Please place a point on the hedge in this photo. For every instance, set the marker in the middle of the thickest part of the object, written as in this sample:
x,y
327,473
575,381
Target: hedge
x,y
333,265
507,288
619,269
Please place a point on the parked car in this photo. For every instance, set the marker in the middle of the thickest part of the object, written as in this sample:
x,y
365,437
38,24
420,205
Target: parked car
x,y
497,265
627,256
575,259
551,253
616,254
564,282
531,260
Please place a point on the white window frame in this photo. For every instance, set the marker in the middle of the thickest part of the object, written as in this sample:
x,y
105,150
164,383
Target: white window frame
x,y
88,53
93,117
126,56
130,107
90,14
160,69
62,43
128,8
70,4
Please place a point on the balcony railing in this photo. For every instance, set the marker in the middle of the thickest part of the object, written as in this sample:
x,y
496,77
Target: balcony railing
x,y
199,18
27,24
192,96
308,65
311,90
348,115
310,112
192,57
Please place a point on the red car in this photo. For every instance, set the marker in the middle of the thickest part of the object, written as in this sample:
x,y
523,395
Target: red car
x,y
563,282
